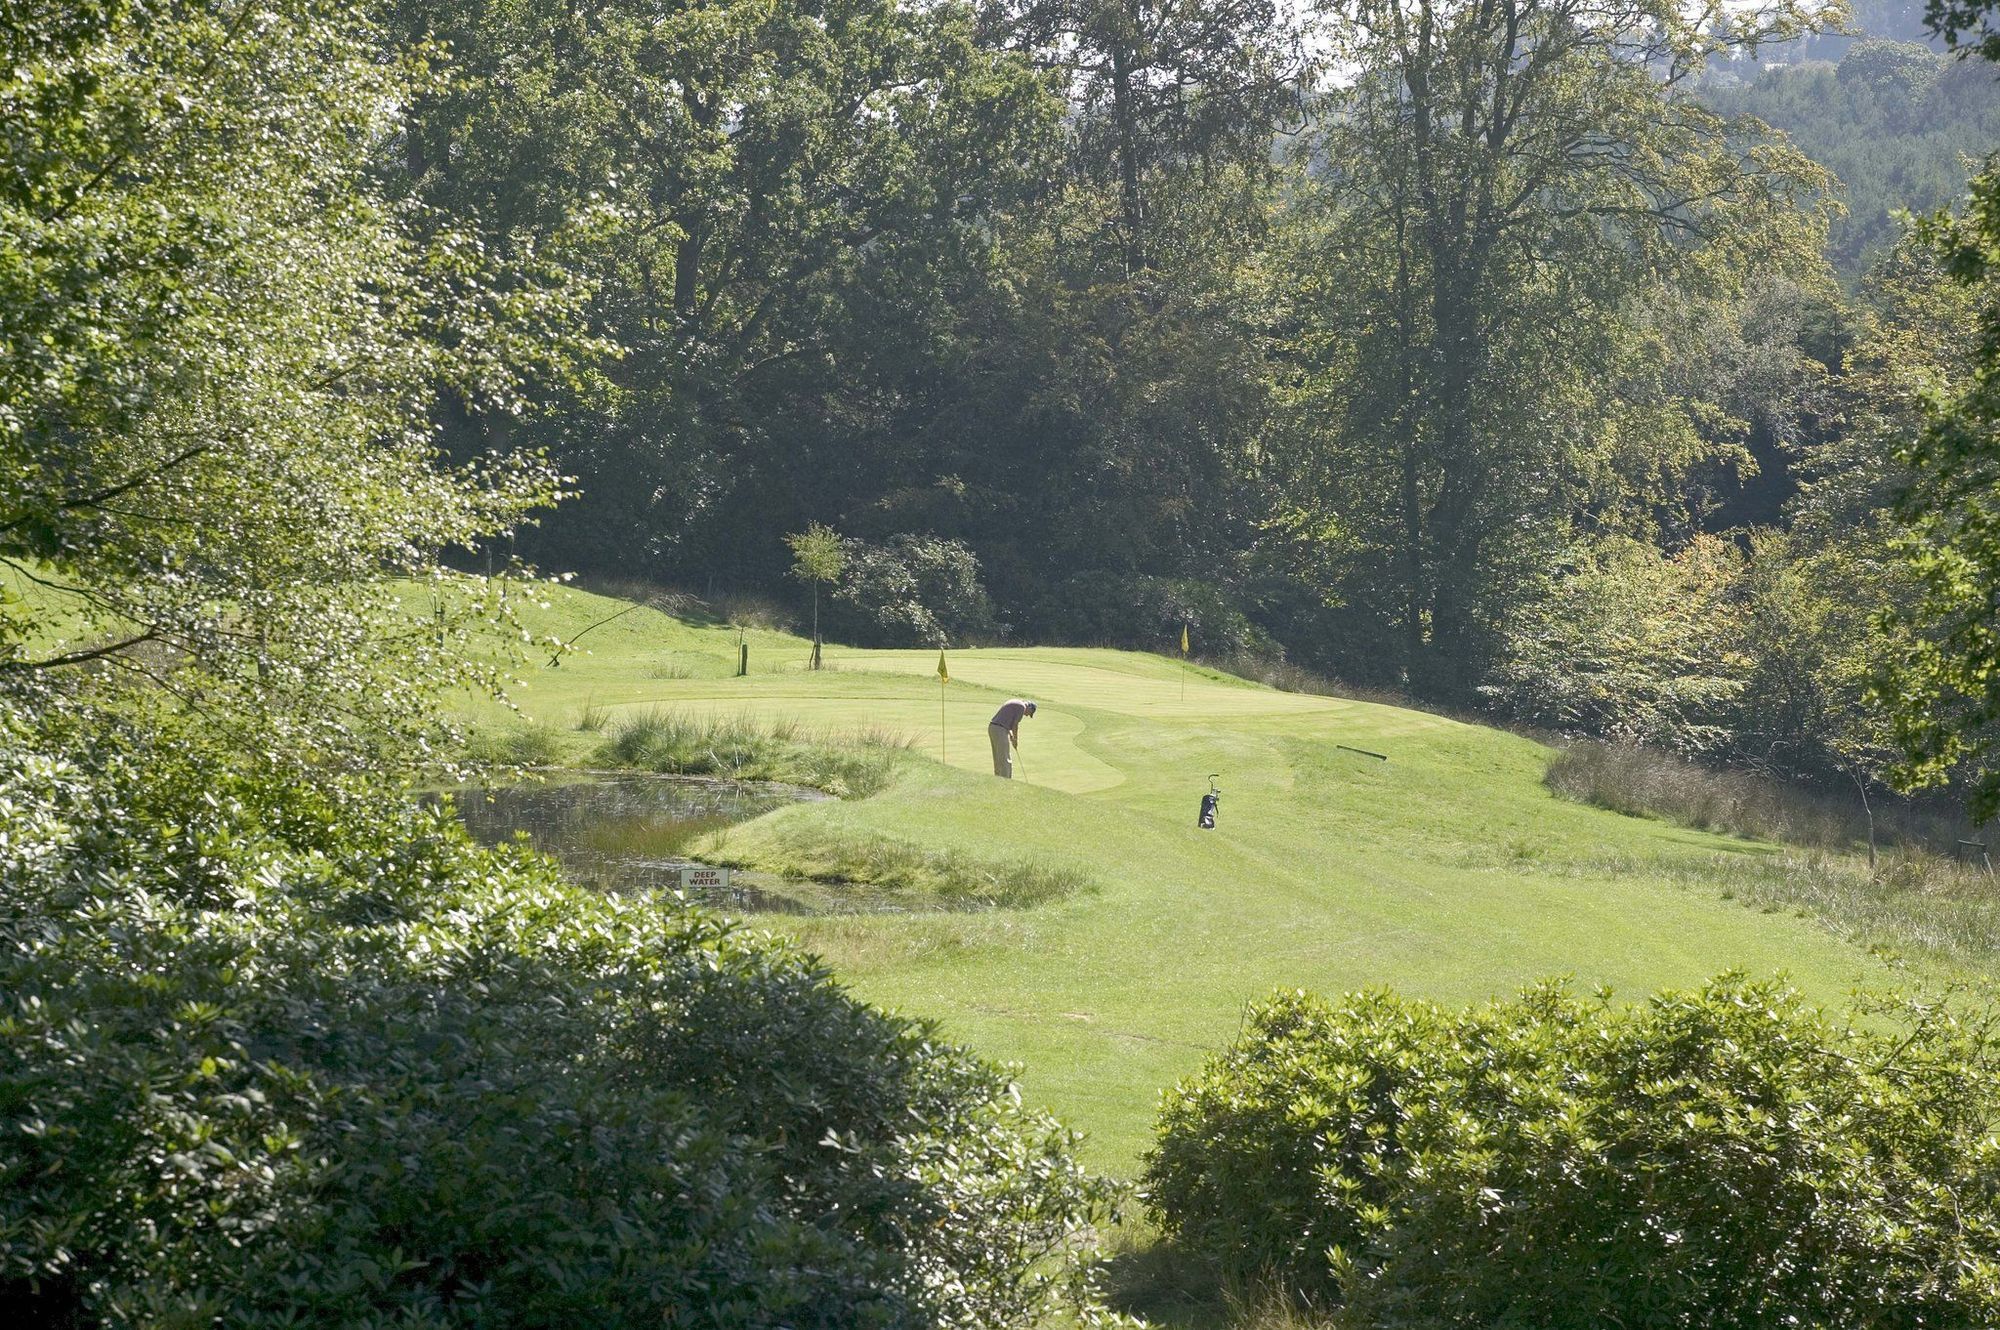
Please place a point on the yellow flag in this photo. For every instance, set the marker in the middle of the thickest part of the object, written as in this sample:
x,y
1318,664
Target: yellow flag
x,y
944,675
1184,642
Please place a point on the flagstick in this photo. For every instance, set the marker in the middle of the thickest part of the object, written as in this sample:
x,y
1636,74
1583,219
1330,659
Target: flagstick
x,y
943,683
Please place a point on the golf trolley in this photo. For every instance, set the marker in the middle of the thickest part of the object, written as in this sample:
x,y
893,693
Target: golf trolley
x,y
1210,803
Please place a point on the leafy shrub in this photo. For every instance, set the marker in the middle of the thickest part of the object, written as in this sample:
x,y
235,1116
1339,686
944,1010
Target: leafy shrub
x,y
1146,613
1725,1157
745,748
914,590
265,1064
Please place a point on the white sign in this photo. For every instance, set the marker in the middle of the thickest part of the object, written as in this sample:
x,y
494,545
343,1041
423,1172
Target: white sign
x,y
696,878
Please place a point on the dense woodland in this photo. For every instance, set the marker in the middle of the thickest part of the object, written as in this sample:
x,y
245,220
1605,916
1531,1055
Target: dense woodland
x,y
1566,365
1566,361
1084,321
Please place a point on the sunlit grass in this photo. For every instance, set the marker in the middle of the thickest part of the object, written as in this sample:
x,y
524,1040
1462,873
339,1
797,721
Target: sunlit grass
x,y
1448,872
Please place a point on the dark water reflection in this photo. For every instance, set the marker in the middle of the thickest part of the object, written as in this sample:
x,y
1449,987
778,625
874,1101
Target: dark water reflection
x,y
631,832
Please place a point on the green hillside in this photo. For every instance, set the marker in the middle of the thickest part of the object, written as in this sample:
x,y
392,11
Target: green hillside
x,y
1447,871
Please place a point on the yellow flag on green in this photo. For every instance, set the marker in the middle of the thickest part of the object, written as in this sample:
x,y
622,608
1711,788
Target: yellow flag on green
x,y
944,675
1184,641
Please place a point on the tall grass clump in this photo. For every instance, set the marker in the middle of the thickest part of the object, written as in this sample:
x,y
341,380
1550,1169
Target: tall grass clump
x,y
1646,782
943,876
536,744
749,748
1914,902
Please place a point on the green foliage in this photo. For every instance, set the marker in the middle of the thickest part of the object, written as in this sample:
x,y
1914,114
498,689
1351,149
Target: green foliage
x,y
1895,122
1633,645
1166,95
1941,685
817,554
913,590
266,1062
1147,613
1492,333
744,748
1967,24
1723,1157
778,211
220,347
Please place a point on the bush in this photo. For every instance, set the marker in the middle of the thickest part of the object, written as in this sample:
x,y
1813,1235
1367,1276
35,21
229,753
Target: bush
x,y
916,590
1725,1157
264,1064
1631,645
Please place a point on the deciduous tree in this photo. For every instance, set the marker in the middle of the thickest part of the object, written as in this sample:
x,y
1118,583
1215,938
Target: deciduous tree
x,y
220,347
1511,189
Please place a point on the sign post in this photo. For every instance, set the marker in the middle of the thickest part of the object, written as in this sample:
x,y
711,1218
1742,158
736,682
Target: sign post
x,y
704,880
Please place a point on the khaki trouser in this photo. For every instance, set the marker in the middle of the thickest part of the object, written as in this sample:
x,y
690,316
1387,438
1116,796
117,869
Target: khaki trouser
x,y
1003,757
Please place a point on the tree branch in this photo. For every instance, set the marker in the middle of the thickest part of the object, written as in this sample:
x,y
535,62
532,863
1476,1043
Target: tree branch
x,y
81,657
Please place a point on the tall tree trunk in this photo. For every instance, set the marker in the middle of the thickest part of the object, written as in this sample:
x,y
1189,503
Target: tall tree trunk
x,y
1413,568
687,254
1128,161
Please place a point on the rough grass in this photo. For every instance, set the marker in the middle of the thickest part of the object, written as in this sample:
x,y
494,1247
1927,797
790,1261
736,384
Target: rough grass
x,y
945,876
1169,1289
592,718
1645,782
535,744
1915,904
749,748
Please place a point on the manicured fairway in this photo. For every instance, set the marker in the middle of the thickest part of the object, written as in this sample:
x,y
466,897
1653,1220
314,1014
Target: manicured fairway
x,y
1448,871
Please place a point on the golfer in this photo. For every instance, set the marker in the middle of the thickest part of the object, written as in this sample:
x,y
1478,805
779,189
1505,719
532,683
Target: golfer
x,y
1005,732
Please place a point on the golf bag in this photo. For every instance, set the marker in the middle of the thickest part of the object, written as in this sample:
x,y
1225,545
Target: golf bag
x,y
1210,802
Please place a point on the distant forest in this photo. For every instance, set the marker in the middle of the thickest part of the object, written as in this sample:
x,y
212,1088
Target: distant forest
x,y
1900,124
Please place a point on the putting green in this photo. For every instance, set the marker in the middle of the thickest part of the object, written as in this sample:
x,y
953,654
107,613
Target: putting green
x,y
1447,871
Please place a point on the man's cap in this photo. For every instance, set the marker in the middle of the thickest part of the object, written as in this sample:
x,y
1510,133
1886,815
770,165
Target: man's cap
x,y
1030,708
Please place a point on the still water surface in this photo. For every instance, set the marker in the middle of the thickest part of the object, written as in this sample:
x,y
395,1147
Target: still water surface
x,y
631,832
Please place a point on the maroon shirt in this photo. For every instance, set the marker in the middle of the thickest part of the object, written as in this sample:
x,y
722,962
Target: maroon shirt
x,y
1008,717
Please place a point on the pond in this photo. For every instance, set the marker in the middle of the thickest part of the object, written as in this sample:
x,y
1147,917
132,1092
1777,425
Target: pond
x,y
630,831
